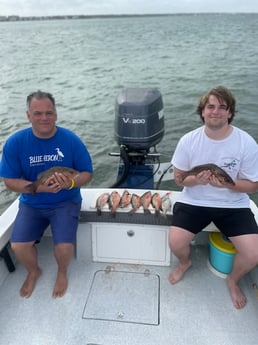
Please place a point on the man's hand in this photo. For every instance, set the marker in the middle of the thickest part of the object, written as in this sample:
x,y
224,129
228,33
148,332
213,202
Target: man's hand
x,y
54,184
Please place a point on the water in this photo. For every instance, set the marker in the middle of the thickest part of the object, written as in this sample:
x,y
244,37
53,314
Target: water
x,y
86,63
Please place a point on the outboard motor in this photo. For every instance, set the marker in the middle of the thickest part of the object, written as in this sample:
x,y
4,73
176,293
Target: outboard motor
x,y
139,126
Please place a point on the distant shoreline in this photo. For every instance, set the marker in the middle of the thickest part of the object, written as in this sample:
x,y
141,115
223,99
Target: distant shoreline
x,y
14,18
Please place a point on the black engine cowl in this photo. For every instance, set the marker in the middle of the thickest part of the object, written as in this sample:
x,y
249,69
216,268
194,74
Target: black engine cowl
x,y
139,118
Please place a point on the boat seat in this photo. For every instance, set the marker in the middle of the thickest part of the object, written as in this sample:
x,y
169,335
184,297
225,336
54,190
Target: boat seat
x,y
6,221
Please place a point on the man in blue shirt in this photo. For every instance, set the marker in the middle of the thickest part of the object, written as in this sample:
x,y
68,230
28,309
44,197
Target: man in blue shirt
x,y
55,201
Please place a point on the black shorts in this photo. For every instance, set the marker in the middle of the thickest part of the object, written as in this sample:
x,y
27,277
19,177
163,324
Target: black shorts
x,y
230,221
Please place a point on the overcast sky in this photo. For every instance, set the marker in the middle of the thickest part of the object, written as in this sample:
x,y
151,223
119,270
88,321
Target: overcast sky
x,y
59,7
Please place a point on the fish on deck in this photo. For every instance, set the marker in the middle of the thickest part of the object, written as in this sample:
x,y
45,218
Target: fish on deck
x,y
44,175
156,203
125,199
114,202
146,201
136,203
221,174
166,203
101,201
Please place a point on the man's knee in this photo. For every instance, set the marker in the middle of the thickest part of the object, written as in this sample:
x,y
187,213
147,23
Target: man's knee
x,y
64,248
179,237
21,245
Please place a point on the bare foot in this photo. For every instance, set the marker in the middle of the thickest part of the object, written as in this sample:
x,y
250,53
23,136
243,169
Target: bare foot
x,y
238,298
29,283
60,285
179,272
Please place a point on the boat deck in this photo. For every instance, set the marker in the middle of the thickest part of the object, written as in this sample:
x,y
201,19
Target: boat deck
x,y
125,304
115,303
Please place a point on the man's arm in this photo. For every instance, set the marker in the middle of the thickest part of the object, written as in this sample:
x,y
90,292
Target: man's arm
x,y
205,177
17,185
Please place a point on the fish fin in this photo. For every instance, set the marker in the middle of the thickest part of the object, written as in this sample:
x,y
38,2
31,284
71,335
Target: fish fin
x,y
226,181
31,188
230,182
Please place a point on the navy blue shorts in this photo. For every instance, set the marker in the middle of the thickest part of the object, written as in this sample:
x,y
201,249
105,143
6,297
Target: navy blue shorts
x,y
30,222
230,221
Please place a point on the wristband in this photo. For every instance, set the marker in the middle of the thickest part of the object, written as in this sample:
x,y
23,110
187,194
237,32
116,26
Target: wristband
x,y
72,184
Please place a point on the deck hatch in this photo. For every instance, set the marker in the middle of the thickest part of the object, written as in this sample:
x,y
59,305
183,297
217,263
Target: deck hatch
x,y
124,296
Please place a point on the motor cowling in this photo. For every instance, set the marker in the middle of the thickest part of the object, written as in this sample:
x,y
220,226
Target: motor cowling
x,y
139,118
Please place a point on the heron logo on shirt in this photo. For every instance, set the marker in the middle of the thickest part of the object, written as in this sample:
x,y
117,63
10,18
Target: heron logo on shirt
x,y
41,159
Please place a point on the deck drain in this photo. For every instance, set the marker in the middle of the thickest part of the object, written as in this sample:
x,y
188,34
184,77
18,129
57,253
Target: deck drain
x,y
123,296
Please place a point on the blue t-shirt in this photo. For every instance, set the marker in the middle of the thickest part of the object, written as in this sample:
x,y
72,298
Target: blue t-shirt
x,y
25,156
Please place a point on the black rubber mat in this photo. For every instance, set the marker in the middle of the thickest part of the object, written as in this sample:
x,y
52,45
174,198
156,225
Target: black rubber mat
x,y
122,217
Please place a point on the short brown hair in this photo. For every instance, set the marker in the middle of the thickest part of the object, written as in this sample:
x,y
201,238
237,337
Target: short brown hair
x,y
40,95
222,94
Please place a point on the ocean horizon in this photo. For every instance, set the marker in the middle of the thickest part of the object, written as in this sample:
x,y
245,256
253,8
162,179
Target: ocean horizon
x,y
85,64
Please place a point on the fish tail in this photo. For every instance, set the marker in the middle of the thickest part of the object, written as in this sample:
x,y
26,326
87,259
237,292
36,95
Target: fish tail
x,y
146,211
113,214
181,177
157,213
163,214
132,211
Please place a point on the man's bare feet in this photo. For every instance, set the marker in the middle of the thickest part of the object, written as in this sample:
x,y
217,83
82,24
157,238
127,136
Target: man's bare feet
x,y
60,285
29,283
238,298
179,272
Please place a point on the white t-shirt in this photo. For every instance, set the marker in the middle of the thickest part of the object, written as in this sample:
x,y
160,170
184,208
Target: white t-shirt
x,y
237,155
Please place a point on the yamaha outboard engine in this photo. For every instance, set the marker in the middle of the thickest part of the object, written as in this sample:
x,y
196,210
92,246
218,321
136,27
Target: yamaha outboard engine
x,y
139,126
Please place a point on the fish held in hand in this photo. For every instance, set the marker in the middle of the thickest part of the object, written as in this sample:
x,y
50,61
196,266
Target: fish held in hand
x,y
44,175
101,201
218,172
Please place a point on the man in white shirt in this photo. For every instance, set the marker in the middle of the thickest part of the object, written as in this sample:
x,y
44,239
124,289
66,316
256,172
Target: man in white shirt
x,y
208,198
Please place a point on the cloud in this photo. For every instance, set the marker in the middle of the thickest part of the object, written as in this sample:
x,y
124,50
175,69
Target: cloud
x,y
59,7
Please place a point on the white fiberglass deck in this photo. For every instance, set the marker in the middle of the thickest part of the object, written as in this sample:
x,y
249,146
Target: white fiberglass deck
x,y
197,310
111,303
